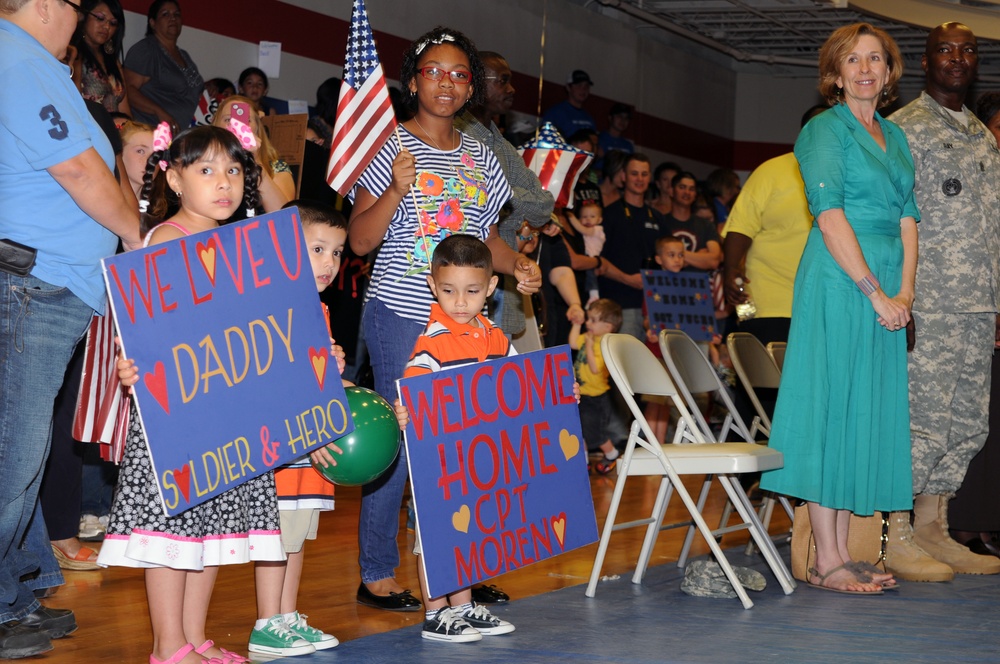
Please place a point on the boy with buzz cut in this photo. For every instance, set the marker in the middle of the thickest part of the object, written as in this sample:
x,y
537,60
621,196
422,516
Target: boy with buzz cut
x,y
302,492
603,317
457,334
670,253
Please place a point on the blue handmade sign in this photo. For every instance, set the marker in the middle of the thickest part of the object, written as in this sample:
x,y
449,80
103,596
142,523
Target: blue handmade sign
x,y
497,466
236,376
679,301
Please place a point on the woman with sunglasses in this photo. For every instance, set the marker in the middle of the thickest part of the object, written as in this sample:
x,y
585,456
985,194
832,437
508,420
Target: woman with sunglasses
x,y
97,69
411,197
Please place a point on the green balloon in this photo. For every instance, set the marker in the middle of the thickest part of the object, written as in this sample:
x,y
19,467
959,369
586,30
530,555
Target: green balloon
x,y
371,448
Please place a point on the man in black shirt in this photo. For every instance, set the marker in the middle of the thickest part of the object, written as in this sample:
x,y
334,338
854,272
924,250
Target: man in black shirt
x,y
631,228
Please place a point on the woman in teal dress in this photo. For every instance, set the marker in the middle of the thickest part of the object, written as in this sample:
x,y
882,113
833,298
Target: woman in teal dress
x,y
842,416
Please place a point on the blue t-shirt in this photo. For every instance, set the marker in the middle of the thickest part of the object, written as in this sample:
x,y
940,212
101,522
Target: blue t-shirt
x,y
606,142
568,119
43,122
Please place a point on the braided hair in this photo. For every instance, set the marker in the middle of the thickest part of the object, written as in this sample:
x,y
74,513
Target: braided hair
x,y
437,36
188,147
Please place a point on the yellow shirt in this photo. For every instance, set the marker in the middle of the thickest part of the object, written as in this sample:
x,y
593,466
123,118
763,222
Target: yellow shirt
x,y
591,384
773,212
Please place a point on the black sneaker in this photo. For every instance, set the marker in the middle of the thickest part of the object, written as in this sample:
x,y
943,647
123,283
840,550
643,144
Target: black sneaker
x,y
55,623
17,641
485,622
449,625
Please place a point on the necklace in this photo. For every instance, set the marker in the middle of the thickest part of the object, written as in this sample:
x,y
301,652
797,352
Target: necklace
x,y
431,139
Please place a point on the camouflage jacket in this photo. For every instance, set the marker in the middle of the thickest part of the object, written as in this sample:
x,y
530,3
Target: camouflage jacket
x,y
957,190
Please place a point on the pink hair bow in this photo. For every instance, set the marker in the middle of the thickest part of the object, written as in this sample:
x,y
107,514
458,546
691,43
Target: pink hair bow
x,y
162,138
243,132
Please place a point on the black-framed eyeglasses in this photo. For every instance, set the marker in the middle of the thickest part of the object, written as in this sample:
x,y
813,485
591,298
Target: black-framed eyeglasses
x,y
436,74
502,80
77,8
101,17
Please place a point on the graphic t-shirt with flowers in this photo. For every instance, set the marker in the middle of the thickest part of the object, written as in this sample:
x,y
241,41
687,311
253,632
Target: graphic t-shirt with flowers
x,y
459,191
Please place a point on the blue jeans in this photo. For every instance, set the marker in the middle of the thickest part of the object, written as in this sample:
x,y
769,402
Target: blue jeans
x,y
390,340
99,479
40,325
36,541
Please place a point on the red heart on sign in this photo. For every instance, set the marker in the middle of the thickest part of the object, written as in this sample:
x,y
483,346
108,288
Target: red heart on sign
x,y
182,476
156,383
317,358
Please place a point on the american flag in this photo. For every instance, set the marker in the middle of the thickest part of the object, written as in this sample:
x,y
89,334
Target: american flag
x,y
365,118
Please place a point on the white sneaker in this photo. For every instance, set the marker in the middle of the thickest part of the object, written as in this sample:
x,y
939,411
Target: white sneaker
x,y
318,638
91,528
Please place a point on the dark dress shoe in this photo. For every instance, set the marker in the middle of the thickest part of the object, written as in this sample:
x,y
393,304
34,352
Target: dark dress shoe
x,y
403,601
18,641
54,623
977,545
489,595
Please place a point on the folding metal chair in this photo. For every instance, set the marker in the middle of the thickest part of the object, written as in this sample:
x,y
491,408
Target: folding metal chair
x,y
692,373
636,371
776,349
756,369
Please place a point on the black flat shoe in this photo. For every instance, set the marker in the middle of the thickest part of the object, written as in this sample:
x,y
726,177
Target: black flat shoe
x,y
54,623
403,601
489,595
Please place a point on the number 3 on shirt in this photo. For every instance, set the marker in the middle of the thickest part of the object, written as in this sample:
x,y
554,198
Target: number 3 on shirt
x,y
59,129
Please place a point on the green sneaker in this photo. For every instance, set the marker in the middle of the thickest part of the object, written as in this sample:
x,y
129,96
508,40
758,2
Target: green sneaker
x,y
275,638
318,638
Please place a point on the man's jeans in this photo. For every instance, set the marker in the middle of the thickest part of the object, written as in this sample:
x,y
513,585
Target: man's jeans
x,y
40,325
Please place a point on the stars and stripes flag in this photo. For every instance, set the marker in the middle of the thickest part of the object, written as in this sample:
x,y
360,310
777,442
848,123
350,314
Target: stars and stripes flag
x,y
365,118
556,163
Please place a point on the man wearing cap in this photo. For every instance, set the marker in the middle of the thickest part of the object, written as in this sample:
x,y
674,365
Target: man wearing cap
x,y
568,116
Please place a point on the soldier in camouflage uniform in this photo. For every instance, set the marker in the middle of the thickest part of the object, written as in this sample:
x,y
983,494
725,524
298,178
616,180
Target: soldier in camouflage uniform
x,y
954,311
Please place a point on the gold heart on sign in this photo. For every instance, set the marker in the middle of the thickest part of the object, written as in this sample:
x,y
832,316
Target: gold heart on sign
x,y
569,443
460,519
559,528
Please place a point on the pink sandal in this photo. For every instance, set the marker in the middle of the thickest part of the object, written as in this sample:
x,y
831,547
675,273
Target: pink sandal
x,y
181,653
228,656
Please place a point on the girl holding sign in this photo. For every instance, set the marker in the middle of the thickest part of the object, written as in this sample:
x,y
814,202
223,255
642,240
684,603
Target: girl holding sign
x,y
427,182
210,174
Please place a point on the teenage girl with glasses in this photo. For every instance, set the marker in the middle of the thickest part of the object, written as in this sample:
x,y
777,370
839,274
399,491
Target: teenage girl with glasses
x,y
429,181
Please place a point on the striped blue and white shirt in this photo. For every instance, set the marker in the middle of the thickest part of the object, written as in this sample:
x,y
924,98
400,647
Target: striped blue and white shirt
x,y
460,191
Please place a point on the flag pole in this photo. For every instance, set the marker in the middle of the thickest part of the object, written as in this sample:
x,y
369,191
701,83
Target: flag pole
x,y
541,65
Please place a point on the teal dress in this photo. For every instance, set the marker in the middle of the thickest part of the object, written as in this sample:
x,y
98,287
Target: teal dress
x,y
842,417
